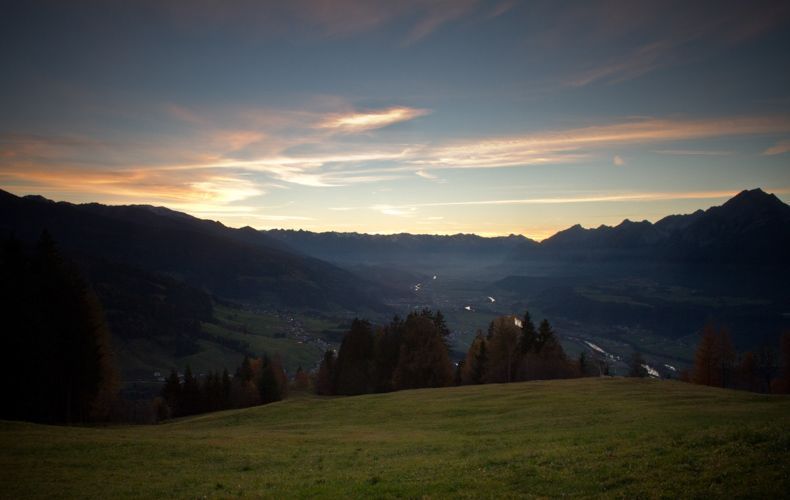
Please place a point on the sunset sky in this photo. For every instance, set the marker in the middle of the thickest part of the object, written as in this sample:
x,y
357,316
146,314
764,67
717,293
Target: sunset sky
x,y
415,116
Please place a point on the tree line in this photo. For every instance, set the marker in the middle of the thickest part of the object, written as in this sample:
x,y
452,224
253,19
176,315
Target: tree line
x,y
413,353
58,365
718,364
256,381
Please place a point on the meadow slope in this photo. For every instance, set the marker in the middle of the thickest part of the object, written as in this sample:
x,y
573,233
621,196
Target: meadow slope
x,y
590,437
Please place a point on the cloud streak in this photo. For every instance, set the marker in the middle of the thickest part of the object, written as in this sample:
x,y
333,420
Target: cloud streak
x,y
357,122
216,167
605,198
779,148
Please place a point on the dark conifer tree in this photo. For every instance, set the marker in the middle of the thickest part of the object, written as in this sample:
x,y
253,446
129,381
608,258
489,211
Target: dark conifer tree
x,y
268,385
583,368
441,326
528,334
355,360
190,394
171,392
325,379
226,388
636,366
544,336
245,373
53,313
388,344
423,360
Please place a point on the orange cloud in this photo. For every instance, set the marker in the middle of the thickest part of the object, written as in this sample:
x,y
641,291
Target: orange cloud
x,y
779,148
371,120
571,145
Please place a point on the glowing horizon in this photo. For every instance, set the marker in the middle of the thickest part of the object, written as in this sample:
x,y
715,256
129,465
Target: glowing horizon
x,y
422,117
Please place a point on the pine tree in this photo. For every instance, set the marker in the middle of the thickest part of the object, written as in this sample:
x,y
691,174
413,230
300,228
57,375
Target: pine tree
x,y
190,393
50,310
636,367
171,392
226,389
325,384
424,360
245,372
268,384
583,369
544,336
441,326
355,360
528,334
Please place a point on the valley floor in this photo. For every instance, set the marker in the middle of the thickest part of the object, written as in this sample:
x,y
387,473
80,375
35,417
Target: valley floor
x,y
591,437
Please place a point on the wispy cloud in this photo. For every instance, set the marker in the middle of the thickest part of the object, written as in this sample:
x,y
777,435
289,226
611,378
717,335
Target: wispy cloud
x,y
426,175
779,148
212,168
573,145
604,198
618,161
692,152
628,39
370,120
398,211
439,13
639,62
330,163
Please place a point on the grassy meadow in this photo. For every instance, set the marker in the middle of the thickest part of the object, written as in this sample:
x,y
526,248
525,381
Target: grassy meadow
x,y
591,437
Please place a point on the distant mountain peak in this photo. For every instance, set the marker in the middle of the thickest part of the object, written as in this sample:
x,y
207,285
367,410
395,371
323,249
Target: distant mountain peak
x,y
37,197
754,197
751,206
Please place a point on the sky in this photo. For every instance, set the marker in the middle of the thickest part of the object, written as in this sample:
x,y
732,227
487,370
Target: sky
x,y
443,116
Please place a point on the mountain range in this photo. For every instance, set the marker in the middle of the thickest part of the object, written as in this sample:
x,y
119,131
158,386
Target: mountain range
x,y
159,273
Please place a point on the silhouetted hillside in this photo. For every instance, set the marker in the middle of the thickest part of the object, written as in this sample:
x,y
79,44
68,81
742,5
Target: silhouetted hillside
x,y
239,264
412,251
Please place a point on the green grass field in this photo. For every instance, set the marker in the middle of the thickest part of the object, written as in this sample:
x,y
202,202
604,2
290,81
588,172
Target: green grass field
x,y
592,437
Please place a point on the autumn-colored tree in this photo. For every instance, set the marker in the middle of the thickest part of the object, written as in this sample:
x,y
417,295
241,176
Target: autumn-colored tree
x,y
473,369
504,350
301,380
714,359
244,390
782,384
457,377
